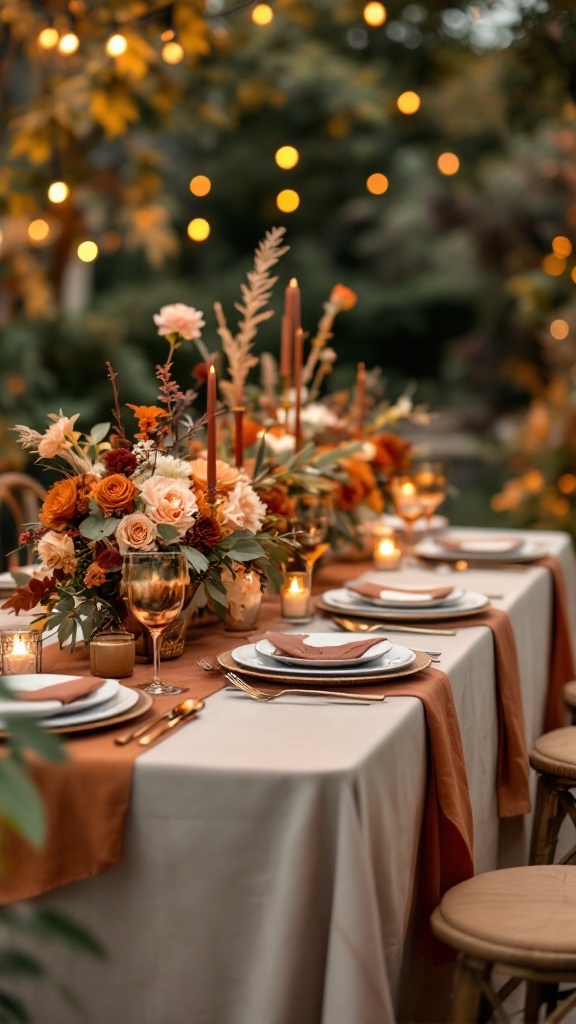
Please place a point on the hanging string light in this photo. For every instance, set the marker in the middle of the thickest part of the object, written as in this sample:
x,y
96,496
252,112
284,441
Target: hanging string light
x,y
377,184
374,13
58,191
287,157
408,102
48,38
288,200
172,52
38,230
262,14
198,229
200,185
87,251
116,45
448,163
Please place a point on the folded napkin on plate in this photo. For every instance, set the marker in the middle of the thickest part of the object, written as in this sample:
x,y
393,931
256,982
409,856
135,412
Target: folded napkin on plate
x,y
481,545
374,590
65,692
294,646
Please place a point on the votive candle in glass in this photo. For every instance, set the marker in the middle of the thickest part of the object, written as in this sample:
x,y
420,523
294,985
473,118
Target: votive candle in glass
x,y
112,655
20,651
387,554
295,595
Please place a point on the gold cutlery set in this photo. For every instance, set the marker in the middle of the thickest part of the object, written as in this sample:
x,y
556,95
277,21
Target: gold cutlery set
x,y
146,734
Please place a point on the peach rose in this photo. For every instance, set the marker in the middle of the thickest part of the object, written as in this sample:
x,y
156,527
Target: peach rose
x,y
136,531
226,476
114,493
59,505
169,501
56,551
58,437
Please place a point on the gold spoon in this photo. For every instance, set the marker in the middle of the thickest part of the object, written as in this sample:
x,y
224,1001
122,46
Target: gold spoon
x,y
185,707
355,626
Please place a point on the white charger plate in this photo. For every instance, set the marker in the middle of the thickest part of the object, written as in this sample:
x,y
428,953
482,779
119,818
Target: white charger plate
x,y
341,600
267,648
395,599
124,699
528,552
41,708
396,657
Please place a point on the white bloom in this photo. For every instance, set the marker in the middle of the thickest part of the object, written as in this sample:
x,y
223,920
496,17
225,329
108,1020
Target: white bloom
x,y
242,509
56,551
169,501
59,436
280,446
166,466
319,416
179,319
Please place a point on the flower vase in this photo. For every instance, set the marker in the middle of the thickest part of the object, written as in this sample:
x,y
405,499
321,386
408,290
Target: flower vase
x,y
243,598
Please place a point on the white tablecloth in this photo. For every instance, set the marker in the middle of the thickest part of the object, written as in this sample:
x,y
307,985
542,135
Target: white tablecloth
x,y
271,850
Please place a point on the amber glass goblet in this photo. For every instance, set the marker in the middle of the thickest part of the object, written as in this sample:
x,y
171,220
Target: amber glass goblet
x,y
155,584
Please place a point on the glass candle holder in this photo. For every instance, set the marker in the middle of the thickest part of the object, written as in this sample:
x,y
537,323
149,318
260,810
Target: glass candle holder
x,y
20,651
387,554
295,596
112,655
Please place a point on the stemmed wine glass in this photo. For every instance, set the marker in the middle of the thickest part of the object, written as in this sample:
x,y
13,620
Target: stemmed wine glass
x,y
407,504
430,477
309,526
155,585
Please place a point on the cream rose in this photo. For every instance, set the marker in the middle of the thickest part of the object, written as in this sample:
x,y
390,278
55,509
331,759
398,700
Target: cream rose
x,y
55,439
56,551
169,501
179,319
242,509
135,531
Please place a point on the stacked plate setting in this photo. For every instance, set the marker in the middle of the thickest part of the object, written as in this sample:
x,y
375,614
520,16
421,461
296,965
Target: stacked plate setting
x,y
409,604
479,548
106,702
262,660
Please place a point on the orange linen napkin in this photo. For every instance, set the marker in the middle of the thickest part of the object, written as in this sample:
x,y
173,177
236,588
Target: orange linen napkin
x,y
513,770
293,644
562,668
480,545
374,590
66,692
447,841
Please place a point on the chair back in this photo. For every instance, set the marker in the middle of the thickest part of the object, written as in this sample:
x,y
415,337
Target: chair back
x,y
20,499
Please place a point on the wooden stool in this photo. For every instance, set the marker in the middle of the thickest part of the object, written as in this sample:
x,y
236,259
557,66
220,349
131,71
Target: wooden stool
x,y
519,922
569,698
553,756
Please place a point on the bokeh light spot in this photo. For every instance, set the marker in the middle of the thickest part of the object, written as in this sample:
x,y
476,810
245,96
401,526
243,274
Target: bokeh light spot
x,y
116,45
38,230
561,246
87,251
408,102
448,163
68,44
198,229
172,53
374,13
567,483
287,157
58,191
559,329
262,14
377,184
48,38
200,185
553,265
288,200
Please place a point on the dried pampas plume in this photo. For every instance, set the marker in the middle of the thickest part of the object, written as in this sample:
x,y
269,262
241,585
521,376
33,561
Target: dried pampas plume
x,y
255,295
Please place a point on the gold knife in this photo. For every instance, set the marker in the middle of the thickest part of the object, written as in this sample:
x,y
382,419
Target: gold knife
x,y
182,708
169,723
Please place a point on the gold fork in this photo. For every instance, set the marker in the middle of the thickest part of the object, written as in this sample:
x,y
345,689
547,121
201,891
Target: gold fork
x,y
208,666
260,695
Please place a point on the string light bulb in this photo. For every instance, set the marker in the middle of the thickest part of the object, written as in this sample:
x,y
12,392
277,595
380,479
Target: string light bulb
x,y
198,229
377,184
68,44
87,251
287,200
200,185
287,157
408,102
262,14
38,230
448,163
116,45
374,13
58,191
172,53
48,38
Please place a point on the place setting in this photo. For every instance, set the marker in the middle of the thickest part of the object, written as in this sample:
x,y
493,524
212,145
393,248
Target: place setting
x,y
478,551
376,600
64,703
322,659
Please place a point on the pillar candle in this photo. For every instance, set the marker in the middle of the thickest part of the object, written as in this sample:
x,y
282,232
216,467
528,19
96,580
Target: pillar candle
x,y
239,435
211,431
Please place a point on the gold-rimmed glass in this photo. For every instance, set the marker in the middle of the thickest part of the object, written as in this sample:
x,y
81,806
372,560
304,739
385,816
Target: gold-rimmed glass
x,y
155,584
407,505
430,478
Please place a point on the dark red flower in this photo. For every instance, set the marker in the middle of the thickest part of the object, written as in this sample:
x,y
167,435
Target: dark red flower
x,y
109,558
120,460
204,535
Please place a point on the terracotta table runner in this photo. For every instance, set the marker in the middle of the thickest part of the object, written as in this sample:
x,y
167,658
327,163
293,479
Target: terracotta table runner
x,y
562,668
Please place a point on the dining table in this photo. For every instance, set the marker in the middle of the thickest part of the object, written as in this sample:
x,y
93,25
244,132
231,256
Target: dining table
x,y
272,851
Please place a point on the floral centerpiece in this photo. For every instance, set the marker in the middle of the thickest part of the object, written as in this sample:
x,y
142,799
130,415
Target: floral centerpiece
x,y
118,493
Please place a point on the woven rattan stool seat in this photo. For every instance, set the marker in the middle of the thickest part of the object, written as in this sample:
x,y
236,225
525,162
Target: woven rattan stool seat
x,y
554,753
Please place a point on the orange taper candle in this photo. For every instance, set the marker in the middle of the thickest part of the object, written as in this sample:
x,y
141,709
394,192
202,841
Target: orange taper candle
x,y
211,432
298,363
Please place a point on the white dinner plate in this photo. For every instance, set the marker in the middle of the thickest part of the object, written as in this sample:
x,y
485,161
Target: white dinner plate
x,y
324,640
41,708
124,699
527,552
396,657
396,599
341,600
420,526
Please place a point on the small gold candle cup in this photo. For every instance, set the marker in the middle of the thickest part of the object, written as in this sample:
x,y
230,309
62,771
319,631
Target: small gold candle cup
x,y
112,655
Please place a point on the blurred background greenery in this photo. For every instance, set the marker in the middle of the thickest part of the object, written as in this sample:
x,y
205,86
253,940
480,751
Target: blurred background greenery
x,y
434,146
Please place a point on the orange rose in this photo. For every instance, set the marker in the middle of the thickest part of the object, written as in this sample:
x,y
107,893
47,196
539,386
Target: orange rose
x,y
85,485
59,505
360,485
392,453
114,493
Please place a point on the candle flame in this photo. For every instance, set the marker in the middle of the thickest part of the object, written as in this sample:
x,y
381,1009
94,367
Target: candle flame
x,y
19,645
295,586
408,488
386,547
293,282
212,368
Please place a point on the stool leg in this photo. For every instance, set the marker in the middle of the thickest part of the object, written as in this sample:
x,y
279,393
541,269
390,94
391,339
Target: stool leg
x,y
548,817
533,1002
466,995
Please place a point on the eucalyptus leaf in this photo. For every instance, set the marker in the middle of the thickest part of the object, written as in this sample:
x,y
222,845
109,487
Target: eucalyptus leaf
x,y
196,560
98,433
166,531
20,804
96,528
